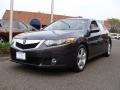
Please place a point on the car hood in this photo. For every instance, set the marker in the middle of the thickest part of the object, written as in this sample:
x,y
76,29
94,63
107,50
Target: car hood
x,y
51,35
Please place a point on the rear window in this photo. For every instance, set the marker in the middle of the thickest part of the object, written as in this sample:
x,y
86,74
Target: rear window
x,y
17,25
6,24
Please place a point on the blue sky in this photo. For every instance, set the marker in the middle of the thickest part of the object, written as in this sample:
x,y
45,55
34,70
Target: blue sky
x,y
97,9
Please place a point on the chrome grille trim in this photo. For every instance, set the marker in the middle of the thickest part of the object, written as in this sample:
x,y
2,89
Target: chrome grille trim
x,y
27,41
21,41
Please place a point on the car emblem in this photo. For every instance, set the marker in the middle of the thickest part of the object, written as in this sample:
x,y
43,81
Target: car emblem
x,y
24,42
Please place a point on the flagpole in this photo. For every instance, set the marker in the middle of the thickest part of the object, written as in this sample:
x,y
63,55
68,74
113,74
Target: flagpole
x,y
52,11
11,20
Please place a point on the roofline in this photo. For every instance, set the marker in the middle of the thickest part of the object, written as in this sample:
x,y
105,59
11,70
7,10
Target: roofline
x,y
81,19
40,12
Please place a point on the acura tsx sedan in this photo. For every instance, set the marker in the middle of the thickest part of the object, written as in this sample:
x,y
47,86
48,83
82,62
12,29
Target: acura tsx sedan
x,y
65,43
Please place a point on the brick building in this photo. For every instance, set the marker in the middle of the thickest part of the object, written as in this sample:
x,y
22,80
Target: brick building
x,y
26,17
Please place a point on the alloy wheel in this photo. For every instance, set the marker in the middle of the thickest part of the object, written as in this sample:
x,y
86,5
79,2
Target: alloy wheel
x,y
109,48
82,56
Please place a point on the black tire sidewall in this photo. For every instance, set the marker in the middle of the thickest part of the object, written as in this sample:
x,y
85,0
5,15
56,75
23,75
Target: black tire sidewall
x,y
106,54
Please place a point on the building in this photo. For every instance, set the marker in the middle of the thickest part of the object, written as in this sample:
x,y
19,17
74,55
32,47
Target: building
x,y
45,18
107,24
26,17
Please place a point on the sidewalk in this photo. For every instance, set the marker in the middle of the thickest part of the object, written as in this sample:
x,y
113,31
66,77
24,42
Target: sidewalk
x,y
4,57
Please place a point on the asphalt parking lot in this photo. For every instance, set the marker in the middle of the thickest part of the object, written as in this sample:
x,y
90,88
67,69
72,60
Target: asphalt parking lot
x,y
102,73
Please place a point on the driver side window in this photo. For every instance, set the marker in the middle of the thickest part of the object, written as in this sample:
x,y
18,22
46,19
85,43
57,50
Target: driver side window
x,y
94,26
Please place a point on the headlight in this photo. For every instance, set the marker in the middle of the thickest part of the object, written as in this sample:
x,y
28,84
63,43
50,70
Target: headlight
x,y
60,42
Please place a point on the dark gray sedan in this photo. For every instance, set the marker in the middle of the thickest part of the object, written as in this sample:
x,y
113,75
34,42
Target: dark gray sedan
x,y
64,43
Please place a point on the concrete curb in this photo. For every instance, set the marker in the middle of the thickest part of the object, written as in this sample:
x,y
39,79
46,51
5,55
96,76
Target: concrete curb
x,y
4,57
4,51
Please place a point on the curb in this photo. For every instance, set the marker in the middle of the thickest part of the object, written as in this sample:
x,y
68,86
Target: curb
x,y
4,51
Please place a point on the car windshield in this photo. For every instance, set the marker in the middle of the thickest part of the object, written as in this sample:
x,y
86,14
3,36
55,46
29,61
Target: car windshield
x,y
68,24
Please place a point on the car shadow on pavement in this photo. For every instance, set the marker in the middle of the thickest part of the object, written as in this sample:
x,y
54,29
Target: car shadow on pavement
x,y
52,72
96,59
42,71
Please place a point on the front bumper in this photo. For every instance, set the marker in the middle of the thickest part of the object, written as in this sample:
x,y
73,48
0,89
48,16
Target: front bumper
x,y
64,56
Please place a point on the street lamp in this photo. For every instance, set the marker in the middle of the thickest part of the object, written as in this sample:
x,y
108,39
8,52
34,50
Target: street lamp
x,y
11,21
52,11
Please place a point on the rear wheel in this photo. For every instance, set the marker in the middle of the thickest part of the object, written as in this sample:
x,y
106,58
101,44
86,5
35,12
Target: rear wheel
x,y
81,59
108,53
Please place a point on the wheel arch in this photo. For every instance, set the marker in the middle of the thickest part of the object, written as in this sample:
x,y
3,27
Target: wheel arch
x,y
85,44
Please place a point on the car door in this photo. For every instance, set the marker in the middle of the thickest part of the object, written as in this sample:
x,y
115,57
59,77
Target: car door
x,y
104,37
94,40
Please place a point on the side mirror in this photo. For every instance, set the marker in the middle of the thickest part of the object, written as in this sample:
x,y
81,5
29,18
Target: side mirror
x,y
87,33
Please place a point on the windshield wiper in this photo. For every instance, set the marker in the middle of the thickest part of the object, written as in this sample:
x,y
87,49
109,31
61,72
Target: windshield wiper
x,y
66,23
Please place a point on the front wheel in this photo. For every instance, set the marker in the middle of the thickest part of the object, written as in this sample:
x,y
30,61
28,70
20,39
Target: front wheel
x,y
81,59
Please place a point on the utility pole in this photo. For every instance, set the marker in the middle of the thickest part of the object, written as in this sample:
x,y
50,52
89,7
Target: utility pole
x,y
11,21
52,11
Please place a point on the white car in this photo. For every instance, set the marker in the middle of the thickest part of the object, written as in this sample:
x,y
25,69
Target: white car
x,y
115,36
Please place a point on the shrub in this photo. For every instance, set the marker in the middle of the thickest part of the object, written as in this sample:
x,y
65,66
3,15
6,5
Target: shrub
x,y
5,45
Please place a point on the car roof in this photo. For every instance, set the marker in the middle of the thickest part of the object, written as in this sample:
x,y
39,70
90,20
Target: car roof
x,y
80,19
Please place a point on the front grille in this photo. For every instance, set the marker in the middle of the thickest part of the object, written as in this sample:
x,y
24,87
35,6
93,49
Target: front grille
x,y
26,46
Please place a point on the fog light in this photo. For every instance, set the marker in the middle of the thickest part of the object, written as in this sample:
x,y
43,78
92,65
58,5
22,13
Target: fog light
x,y
53,61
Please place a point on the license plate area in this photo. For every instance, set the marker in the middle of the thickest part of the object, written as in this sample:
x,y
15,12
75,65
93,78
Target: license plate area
x,y
21,55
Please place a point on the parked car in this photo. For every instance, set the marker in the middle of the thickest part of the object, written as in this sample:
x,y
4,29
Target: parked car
x,y
115,36
64,43
31,28
18,27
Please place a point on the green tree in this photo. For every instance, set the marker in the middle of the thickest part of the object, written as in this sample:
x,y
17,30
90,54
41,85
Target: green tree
x,y
115,25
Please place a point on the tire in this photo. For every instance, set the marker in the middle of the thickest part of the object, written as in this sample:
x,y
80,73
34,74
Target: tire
x,y
81,58
108,53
